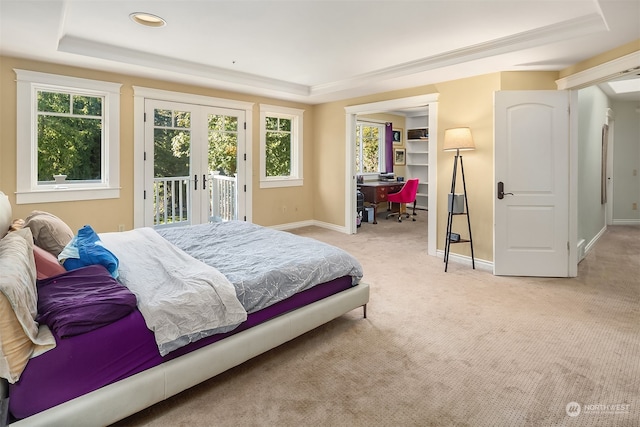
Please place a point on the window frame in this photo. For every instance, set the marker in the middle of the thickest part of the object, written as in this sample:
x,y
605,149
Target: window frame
x,y
296,117
28,190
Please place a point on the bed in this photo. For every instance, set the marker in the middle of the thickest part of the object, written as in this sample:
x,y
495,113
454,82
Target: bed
x,y
123,364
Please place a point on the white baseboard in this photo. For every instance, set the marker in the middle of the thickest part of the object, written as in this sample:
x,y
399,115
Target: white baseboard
x,y
481,264
625,222
581,250
299,224
593,241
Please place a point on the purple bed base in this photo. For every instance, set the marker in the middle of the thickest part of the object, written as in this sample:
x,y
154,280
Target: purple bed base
x,y
84,363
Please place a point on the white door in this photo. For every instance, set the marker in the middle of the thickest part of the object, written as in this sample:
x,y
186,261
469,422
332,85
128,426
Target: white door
x,y
191,164
531,203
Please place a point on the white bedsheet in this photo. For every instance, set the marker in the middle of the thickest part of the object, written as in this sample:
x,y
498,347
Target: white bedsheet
x,y
182,299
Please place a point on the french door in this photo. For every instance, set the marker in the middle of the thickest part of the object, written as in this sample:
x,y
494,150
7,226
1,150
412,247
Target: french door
x,y
192,171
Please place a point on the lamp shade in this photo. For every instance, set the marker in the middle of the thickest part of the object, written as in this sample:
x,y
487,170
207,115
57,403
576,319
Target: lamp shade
x,y
458,139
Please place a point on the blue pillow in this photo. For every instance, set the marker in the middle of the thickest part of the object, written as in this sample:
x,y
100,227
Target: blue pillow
x,y
85,249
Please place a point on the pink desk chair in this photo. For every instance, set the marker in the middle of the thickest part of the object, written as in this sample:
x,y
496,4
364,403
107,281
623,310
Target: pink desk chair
x,y
406,195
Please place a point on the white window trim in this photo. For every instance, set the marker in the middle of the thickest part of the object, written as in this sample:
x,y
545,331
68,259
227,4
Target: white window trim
x,y
28,190
296,177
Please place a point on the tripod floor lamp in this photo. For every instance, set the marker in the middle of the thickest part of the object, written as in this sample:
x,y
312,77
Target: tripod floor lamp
x,y
457,139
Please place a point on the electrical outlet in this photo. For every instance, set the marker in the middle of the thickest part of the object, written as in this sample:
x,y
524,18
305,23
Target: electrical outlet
x,y
634,206
120,227
284,208
635,172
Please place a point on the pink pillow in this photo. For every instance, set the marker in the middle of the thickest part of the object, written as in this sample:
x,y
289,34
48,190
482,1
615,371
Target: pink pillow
x,y
47,264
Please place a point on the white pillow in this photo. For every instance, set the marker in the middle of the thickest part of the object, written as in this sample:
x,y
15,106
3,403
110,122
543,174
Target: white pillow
x,y
5,214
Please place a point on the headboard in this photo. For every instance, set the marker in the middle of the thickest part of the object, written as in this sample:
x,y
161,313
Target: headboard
x,y
5,223
5,214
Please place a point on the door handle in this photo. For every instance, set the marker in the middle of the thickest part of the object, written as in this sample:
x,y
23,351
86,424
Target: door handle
x,y
195,182
501,192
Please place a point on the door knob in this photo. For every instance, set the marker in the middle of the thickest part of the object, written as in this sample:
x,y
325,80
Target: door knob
x,y
501,192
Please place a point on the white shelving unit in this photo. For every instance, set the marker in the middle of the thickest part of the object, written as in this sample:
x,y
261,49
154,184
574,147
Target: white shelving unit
x,y
417,166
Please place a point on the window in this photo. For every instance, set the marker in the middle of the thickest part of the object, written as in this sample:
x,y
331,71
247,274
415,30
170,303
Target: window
x,y
280,146
370,148
68,132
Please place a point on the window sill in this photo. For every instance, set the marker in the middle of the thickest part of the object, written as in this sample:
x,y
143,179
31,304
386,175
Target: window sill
x,y
66,195
276,183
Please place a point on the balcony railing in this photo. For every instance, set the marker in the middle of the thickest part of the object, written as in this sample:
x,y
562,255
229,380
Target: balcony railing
x,y
223,198
172,202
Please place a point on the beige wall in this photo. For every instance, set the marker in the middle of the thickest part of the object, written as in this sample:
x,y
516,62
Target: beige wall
x,y
106,215
329,164
468,103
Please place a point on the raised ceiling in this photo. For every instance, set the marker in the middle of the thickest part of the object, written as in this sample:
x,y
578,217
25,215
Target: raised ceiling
x,y
316,51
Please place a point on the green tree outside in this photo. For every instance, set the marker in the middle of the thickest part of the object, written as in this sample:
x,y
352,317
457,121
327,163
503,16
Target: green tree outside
x,y
69,136
367,149
278,146
171,143
223,144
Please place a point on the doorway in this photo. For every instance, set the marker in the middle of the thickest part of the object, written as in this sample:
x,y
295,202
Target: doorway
x,y
580,239
424,102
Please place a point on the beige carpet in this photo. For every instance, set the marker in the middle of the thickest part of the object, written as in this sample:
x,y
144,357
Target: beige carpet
x,y
463,348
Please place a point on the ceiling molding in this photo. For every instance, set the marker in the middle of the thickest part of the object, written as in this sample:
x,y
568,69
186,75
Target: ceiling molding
x,y
603,72
90,48
587,24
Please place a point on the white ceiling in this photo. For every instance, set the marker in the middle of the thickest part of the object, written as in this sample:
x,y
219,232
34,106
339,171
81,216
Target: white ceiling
x,y
317,50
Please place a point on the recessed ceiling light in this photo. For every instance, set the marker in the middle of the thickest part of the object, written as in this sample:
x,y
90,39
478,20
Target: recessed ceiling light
x,y
147,19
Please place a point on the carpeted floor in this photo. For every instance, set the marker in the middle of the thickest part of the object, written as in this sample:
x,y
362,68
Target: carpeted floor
x,y
463,348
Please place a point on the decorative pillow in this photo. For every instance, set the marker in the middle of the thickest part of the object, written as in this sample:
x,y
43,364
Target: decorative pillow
x,y
49,231
87,249
82,300
47,264
18,289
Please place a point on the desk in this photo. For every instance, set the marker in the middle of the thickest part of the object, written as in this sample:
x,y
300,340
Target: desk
x,y
376,192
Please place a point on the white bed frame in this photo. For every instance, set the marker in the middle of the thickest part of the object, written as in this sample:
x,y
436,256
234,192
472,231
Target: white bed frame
x,y
130,395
